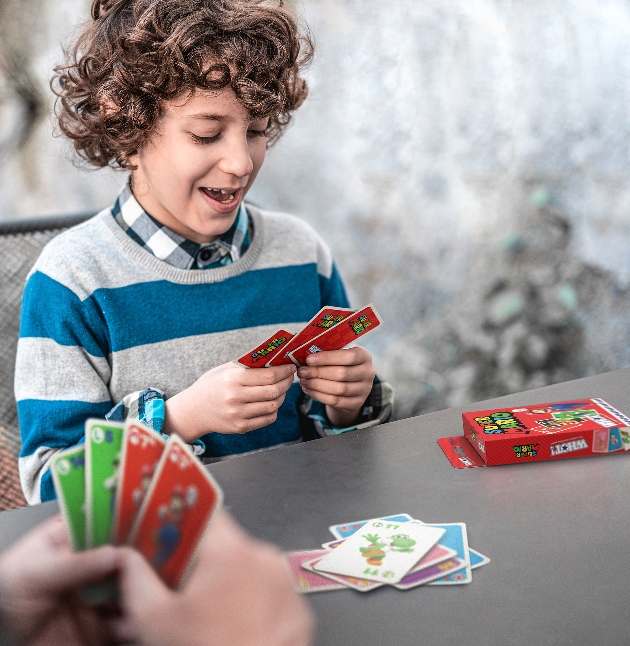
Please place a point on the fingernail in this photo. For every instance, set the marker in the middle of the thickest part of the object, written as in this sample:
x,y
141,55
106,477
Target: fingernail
x,y
304,372
310,359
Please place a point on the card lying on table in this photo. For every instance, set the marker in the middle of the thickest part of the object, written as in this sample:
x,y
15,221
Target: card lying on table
x,y
381,551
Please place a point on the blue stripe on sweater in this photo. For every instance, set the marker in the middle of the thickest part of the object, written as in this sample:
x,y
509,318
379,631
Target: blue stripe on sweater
x,y
38,417
157,311
51,310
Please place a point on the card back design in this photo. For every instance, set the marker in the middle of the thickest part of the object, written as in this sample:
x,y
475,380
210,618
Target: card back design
x,y
103,443
349,330
177,510
141,452
324,320
261,354
68,473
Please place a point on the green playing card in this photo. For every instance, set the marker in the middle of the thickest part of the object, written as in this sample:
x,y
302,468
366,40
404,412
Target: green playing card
x,y
68,472
103,444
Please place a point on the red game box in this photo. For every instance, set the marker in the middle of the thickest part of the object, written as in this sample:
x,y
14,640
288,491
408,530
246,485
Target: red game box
x,y
547,431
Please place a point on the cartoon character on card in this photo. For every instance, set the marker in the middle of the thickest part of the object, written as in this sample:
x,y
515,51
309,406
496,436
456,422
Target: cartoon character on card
x,y
111,483
146,476
402,543
168,535
373,553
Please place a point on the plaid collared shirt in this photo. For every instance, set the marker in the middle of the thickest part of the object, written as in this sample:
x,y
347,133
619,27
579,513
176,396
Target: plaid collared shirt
x,y
172,248
148,405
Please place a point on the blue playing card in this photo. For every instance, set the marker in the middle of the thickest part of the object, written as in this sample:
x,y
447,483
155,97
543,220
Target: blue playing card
x,y
456,538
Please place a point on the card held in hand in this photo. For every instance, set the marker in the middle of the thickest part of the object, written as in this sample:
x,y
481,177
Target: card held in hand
x,y
347,331
103,443
258,357
68,473
381,550
141,452
177,510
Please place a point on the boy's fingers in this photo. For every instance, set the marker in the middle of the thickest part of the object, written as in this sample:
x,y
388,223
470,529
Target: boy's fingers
x,y
334,373
261,409
267,376
346,357
267,393
339,388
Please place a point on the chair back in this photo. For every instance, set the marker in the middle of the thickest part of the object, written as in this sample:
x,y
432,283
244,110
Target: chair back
x,y
20,244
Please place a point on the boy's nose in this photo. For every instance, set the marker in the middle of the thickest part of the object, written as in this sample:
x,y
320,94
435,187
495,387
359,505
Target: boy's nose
x,y
237,160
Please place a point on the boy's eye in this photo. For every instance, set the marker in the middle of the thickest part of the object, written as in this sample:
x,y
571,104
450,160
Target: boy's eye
x,y
203,140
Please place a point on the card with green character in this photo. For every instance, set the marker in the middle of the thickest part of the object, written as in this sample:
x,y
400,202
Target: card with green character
x,y
68,473
103,445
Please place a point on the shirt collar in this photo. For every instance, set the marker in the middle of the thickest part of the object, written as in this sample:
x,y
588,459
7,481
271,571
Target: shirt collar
x,y
174,249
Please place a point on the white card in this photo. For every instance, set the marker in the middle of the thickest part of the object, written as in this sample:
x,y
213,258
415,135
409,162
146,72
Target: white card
x,y
381,550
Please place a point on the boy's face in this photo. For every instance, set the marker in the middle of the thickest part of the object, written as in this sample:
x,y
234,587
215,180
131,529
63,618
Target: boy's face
x,y
199,163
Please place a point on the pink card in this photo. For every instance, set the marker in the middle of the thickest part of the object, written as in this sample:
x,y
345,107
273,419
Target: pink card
x,y
258,357
306,581
350,329
324,320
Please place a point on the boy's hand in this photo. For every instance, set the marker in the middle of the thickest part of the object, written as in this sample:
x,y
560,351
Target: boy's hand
x,y
341,379
228,399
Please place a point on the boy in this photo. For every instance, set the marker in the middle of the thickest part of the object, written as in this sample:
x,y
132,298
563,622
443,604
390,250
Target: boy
x,y
147,303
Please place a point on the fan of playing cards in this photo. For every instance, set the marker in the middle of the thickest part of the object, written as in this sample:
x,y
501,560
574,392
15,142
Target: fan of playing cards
x,y
396,550
321,333
127,485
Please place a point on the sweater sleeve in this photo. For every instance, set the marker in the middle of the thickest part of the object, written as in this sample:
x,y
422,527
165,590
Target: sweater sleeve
x,y
61,376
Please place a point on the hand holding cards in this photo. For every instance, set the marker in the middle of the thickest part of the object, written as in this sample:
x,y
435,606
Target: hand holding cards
x,y
138,490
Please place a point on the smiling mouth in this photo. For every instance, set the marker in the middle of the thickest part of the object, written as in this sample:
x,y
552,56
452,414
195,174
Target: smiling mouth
x,y
223,196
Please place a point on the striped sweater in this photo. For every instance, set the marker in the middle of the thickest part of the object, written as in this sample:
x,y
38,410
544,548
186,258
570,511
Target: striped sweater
x,y
102,317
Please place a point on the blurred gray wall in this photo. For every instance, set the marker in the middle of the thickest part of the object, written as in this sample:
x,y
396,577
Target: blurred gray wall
x,y
467,160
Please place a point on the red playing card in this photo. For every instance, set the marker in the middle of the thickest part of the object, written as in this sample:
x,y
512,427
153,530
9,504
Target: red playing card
x,y
350,329
176,512
142,449
257,357
324,320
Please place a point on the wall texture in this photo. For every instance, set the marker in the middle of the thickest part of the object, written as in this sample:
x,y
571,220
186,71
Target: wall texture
x,y
467,160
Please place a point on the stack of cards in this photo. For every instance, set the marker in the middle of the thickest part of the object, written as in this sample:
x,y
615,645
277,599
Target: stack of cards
x,y
127,486
332,328
396,550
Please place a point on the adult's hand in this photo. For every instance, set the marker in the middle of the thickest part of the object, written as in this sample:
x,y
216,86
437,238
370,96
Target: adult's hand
x,y
239,592
39,581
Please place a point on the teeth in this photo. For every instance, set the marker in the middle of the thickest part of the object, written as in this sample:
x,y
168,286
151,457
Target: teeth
x,y
224,192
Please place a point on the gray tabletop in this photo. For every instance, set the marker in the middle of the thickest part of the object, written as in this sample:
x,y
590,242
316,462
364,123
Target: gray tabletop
x,y
558,533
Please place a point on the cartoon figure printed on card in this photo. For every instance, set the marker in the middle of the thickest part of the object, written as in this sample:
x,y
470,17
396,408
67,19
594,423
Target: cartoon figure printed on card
x,y
168,535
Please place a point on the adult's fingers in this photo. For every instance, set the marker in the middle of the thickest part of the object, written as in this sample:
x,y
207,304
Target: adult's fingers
x,y
141,589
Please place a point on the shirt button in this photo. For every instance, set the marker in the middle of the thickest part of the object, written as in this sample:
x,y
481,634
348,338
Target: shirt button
x,y
205,255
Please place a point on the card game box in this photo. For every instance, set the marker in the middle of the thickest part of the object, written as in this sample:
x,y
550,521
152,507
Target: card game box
x,y
553,431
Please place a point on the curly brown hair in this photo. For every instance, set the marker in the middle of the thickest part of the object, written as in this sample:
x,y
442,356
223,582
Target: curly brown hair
x,y
137,54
